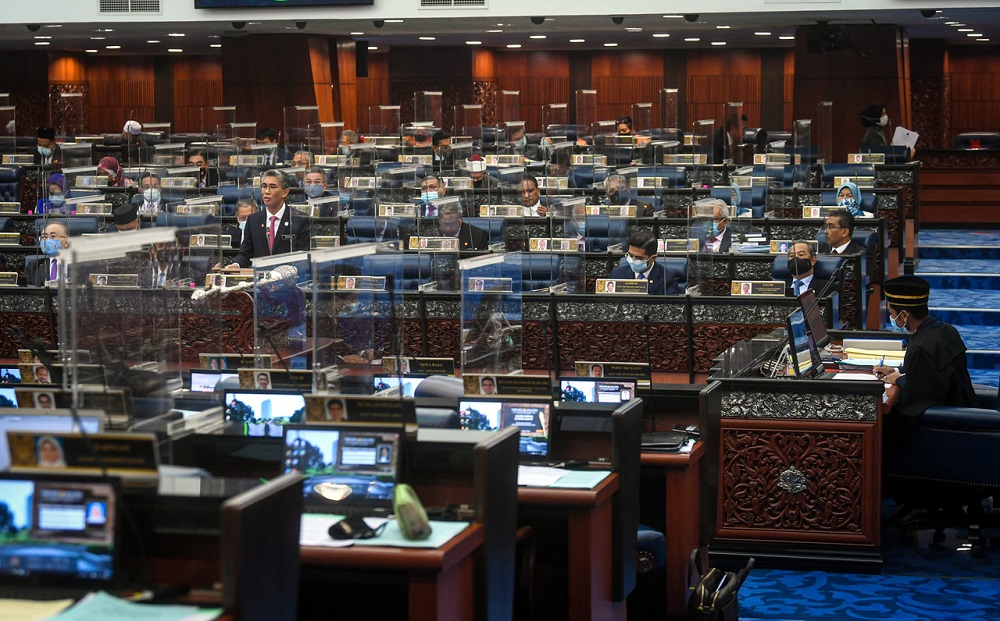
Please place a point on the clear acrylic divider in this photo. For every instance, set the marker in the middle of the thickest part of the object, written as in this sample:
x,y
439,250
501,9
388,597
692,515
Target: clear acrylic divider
x,y
66,114
824,132
213,117
280,283
297,121
491,314
509,107
427,107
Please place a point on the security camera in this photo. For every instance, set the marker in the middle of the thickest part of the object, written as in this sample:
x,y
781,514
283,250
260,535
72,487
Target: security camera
x,y
618,19
691,17
239,25
378,23
538,21
34,27
300,25
928,13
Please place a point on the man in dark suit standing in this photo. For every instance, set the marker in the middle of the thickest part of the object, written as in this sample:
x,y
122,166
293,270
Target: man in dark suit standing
x,y
469,237
720,239
801,264
54,239
274,230
641,258
839,229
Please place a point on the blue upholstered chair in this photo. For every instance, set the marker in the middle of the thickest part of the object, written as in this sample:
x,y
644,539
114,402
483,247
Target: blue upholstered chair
x,y
11,178
183,220
826,265
831,171
493,226
409,270
77,225
676,174
540,270
869,200
603,231
361,229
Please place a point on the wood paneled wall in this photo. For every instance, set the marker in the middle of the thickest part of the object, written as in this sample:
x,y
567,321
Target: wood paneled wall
x,y
542,78
626,78
715,78
197,84
373,91
973,82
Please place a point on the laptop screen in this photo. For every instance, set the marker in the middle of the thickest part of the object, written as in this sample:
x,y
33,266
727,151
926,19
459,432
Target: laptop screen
x,y
205,381
817,329
8,398
531,416
802,349
408,382
264,412
41,421
61,531
592,390
10,374
344,465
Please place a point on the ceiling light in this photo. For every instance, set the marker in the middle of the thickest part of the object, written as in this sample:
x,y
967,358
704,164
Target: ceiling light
x,y
950,23
42,37
633,30
42,43
718,42
215,45
965,29
692,39
372,48
974,34
763,33
96,38
428,38
152,41
473,42
610,45
577,40
956,24
394,21
175,50
493,31
537,36
673,16
112,47
982,39
357,34
513,46
54,26
91,51
214,37
661,35
723,27
175,34
787,38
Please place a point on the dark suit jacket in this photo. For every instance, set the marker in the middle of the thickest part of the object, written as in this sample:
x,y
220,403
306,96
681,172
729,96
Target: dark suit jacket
x,y
817,285
662,280
211,178
852,248
724,246
643,209
255,241
38,273
56,156
469,237
234,232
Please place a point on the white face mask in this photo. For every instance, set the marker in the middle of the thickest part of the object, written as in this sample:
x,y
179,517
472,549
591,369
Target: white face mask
x,y
243,224
883,120
151,195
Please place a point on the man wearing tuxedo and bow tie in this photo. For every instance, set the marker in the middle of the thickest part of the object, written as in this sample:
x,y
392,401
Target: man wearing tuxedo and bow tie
x,y
275,230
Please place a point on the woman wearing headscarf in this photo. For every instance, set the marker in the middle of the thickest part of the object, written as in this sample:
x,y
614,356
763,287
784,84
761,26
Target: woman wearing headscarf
x,y
109,166
873,119
57,195
849,198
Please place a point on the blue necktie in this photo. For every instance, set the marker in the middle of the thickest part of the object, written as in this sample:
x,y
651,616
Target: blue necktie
x,y
797,287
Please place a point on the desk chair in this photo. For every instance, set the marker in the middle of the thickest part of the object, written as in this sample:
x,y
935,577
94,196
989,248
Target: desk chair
x,y
232,193
408,270
869,200
753,198
830,171
77,225
825,267
676,174
362,229
11,180
183,220
603,231
493,226
679,264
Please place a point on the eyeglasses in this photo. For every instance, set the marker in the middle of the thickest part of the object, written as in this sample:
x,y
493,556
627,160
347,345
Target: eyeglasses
x,y
832,226
55,236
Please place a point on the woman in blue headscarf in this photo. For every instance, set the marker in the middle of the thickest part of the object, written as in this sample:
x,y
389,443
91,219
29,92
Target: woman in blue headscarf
x,y
849,198
58,192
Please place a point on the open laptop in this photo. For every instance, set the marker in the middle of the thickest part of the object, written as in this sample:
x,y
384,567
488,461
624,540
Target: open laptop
x,y
530,414
263,412
596,390
349,469
40,420
62,539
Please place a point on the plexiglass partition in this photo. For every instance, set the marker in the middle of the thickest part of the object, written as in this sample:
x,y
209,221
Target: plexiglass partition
x,y
555,117
509,106
642,118
469,121
66,113
325,139
427,107
216,116
298,120
279,296
8,130
669,107
491,314
384,120
586,107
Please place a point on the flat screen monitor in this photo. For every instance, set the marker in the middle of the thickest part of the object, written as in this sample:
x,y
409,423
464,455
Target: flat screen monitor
x,y
264,412
814,320
205,381
530,415
384,384
44,420
10,374
802,350
596,390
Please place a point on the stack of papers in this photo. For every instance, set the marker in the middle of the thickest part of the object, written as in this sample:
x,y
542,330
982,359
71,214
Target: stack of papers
x,y
104,606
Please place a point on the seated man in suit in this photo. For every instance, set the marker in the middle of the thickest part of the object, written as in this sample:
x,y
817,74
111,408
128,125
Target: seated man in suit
x,y
46,149
720,239
641,257
274,230
432,188
207,177
801,263
441,151
839,230
53,240
531,197
617,193
149,187
469,237
244,207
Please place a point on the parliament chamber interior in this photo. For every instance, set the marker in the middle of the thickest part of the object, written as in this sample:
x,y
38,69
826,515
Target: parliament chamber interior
x,y
470,310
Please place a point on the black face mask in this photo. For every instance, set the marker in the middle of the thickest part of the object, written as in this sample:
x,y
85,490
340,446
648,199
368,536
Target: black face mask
x,y
798,266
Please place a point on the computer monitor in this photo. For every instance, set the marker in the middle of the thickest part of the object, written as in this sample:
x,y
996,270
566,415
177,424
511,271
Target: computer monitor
x,y
44,420
205,381
263,412
814,320
10,374
529,414
802,351
596,390
384,385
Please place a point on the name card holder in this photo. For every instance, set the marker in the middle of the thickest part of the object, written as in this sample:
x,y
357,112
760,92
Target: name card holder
x,y
757,288
676,246
10,207
500,211
553,244
18,159
324,241
434,244
10,239
866,158
622,286
408,210
365,183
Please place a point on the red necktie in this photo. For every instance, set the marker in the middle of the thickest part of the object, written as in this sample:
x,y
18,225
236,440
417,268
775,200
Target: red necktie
x,y
271,232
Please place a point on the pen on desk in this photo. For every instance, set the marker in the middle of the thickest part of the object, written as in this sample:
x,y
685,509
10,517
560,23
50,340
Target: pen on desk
x,y
879,365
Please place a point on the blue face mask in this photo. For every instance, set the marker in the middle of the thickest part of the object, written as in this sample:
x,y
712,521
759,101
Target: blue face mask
x,y
57,199
242,224
344,149
897,328
847,203
715,229
45,151
51,247
637,266
314,190
428,196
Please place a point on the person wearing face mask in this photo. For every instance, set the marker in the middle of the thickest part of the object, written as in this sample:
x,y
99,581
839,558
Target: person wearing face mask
x,y
244,207
934,370
735,202
874,119
46,149
110,167
347,138
801,263
517,144
53,240
149,195
58,193
618,194
441,148
432,188
476,166
720,238
469,237
126,217
849,198
314,182
640,263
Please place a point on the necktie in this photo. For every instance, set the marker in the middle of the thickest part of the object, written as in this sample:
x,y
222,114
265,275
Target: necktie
x,y
431,211
271,234
797,287
642,276
162,279
54,271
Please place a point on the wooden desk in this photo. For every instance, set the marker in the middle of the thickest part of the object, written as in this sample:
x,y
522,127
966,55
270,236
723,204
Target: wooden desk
x,y
587,515
681,473
440,582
